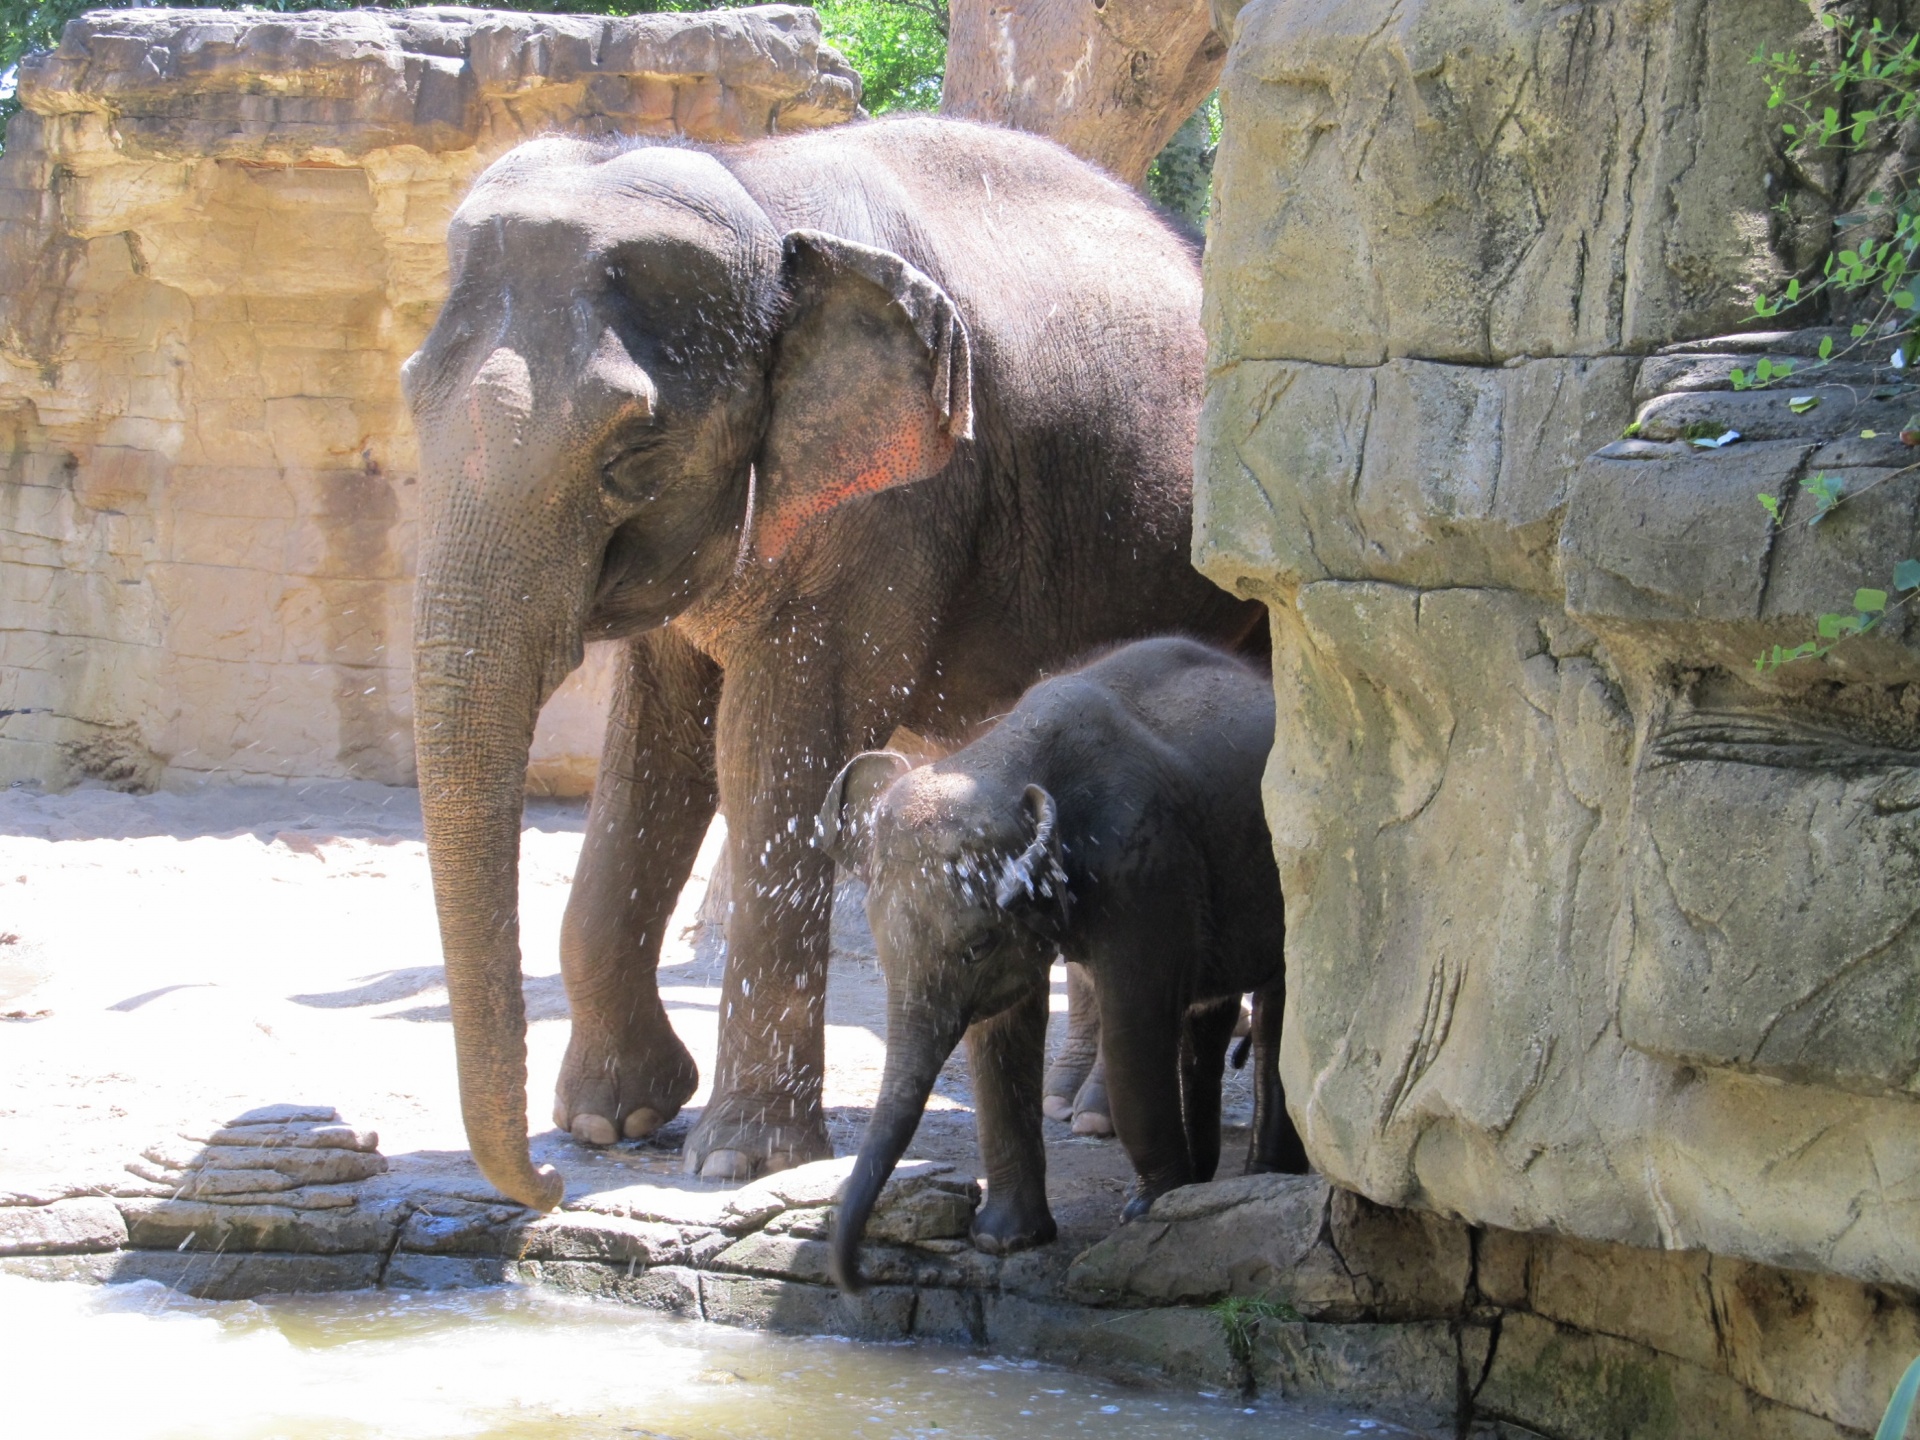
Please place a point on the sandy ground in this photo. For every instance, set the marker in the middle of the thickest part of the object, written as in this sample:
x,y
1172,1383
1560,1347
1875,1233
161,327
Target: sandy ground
x,y
174,958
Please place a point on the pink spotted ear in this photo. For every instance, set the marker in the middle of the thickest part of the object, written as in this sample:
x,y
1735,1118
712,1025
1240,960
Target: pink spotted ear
x,y
872,385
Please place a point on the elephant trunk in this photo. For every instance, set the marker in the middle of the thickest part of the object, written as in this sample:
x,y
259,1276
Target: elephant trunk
x,y
488,650
918,1044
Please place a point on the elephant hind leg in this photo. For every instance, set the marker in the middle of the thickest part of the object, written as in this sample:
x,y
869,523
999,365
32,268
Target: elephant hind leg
x,y
1207,1032
1078,1052
626,1072
1275,1146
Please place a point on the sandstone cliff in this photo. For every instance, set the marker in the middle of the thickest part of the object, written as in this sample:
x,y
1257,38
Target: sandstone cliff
x,y
220,234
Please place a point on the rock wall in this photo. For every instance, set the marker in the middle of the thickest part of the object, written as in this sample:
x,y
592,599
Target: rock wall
x,y
1592,928
220,234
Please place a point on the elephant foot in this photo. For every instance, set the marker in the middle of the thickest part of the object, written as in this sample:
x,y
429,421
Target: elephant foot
x,y
1092,1115
743,1135
605,1093
1058,1107
1016,1223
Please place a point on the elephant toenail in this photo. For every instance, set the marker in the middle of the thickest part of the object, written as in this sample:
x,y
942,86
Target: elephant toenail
x,y
593,1130
641,1123
731,1165
1092,1122
1057,1107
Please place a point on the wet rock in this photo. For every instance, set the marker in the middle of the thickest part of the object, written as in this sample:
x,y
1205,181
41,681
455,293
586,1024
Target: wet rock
x,y
935,1210
243,1276
1285,1238
1181,1343
1410,1372
883,1312
1561,1381
608,1238
670,1288
443,1272
169,1224
65,1227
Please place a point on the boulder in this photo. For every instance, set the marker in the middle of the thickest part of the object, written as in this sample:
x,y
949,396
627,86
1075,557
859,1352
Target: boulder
x,y
1594,927
221,232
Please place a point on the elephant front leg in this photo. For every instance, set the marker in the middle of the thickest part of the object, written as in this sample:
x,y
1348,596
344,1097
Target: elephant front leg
x,y
779,748
625,1071
1004,1058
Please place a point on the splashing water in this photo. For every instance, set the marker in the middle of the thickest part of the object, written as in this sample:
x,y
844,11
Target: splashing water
x,y
138,1362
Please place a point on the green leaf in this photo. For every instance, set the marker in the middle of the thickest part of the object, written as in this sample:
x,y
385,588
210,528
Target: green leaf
x,y
1829,626
1850,258
1793,291
1826,348
1739,378
1870,602
1771,503
1632,432
1869,434
1763,372
1906,575
1801,404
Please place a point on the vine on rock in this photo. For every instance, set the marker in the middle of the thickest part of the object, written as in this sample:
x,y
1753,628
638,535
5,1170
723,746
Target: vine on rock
x,y
1859,99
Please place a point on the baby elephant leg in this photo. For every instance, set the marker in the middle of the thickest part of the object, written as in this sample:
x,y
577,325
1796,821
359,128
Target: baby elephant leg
x,y
1274,1146
1203,1058
1004,1057
1078,1051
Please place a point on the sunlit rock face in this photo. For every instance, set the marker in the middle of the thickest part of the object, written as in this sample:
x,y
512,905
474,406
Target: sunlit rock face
x,y
220,234
1592,928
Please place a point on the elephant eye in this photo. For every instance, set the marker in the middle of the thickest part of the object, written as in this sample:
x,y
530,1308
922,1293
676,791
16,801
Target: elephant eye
x,y
625,476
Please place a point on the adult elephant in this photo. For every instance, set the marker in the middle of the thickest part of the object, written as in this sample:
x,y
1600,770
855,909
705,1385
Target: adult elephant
x,y
677,396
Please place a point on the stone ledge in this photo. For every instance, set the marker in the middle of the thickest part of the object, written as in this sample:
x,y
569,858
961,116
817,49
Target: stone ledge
x,y
187,84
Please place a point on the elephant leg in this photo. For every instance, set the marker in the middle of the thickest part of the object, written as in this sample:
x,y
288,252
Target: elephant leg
x,y
1092,1111
1078,1051
779,746
1275,1146
1004,1057
1140,1036
1203,1061
625,1071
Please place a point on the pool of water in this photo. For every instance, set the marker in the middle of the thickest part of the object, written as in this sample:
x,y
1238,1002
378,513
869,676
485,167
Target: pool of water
x,y
128,1362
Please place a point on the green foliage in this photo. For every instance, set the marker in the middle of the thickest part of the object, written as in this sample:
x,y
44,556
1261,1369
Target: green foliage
x,y
1180,178
898,46
1855,98
1240,1317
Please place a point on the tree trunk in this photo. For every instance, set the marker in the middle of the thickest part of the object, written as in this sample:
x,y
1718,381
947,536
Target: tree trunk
x,y
1109,79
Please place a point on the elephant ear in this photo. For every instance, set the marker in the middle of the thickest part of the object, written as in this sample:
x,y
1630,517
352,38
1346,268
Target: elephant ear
x,y
844,829
1033,885
872,384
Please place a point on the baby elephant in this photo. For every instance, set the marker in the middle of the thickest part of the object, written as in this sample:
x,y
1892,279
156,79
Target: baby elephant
x,y
1114,818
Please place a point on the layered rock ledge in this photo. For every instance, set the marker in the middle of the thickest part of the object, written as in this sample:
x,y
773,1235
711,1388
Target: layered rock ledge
x,y
1268,1285
220,235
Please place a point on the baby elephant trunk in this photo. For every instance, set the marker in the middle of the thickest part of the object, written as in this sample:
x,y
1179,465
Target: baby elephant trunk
x,y
917,1046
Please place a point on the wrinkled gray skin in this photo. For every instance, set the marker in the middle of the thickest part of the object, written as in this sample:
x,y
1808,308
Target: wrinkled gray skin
x,y
839,432
1113,816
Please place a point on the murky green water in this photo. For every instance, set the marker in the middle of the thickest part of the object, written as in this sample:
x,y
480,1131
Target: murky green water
x,y
136,1361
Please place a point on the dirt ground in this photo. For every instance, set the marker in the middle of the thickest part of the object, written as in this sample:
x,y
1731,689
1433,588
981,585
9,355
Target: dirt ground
x,y
176,958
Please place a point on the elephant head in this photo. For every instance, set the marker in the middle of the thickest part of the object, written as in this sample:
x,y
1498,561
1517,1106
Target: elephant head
x,y
968,900
639,393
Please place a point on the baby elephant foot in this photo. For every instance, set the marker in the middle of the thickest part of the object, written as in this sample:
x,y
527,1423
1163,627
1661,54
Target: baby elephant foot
x,y
1016,1223
607,1092
743,1135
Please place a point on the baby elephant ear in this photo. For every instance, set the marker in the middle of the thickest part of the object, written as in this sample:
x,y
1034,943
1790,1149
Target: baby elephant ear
x,y
872,384
843,830
1034,884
